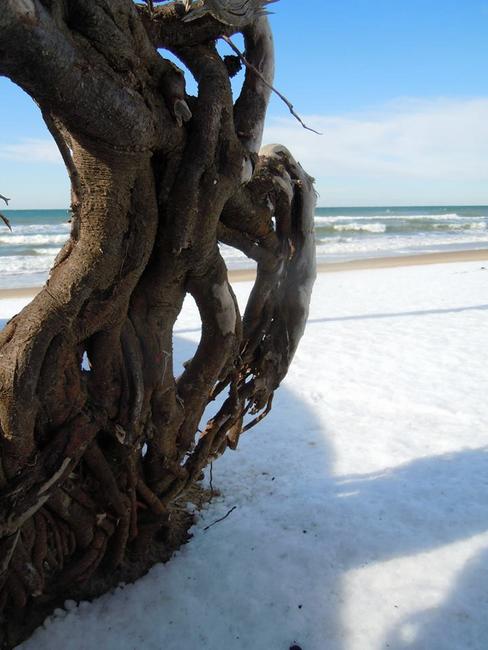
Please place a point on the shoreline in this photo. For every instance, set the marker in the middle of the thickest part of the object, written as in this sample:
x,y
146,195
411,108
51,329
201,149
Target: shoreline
x,y
368,263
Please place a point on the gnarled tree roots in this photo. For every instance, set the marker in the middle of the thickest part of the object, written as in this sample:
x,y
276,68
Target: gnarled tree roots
x,y
100,443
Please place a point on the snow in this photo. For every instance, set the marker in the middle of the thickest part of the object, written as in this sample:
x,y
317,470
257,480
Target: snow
x,y
361,518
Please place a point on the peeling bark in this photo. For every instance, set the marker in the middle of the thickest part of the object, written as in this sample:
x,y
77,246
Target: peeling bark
x,y
95,464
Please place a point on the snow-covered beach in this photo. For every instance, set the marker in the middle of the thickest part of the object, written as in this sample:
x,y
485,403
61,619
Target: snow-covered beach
x,y
361,502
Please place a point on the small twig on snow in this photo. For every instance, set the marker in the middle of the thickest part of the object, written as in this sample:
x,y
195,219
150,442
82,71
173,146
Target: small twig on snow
x,y
221,519
253,68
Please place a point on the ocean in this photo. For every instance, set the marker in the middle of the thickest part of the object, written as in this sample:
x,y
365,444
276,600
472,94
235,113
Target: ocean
x,y
342,234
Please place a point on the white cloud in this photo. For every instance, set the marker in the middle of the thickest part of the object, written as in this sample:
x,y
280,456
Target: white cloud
x,y
31,150
408,152
411,151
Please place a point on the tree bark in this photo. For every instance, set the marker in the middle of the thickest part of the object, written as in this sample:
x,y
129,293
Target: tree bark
x,y
95,463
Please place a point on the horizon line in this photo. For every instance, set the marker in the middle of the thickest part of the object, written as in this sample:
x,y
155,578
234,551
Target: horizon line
x,y
331,207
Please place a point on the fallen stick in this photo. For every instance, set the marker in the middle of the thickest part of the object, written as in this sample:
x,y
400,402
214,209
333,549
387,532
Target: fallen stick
x,y
221,519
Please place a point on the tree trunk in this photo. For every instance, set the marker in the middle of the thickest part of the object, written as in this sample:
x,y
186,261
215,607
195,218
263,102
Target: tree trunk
x,y
95,458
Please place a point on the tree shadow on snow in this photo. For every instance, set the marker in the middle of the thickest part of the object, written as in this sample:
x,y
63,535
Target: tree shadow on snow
x,y
415,508
358,520
318,526
400,314
461,622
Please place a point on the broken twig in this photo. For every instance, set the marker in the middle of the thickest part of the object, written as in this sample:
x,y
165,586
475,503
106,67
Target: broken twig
x,y
6,221
253,68
2,216
221,519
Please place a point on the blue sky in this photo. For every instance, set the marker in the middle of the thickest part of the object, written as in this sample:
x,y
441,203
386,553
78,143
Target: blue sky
x,y
398,89
360,53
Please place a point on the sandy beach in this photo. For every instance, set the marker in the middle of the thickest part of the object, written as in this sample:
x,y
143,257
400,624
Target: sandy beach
x,y
243,275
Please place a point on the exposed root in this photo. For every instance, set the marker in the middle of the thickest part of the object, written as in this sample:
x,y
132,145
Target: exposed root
x,y
102,471
98,463
154,503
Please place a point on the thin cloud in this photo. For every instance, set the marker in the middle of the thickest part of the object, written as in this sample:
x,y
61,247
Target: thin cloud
x,y
31,150
436,150
409,151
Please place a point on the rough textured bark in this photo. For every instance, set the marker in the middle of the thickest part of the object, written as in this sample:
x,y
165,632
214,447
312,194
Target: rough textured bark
x,y
95,464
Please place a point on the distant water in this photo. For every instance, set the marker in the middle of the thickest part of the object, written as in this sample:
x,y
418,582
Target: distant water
x,y
27,253
352,233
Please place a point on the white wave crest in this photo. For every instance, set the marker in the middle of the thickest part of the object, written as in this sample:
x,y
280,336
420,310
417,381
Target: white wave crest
x,y
321,220
47,252
17,264
474,225
41,229
33,240
361,227
356,247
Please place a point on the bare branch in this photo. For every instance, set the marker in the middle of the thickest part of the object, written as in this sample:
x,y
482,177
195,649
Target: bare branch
x,y
2,216
6,221
249,66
